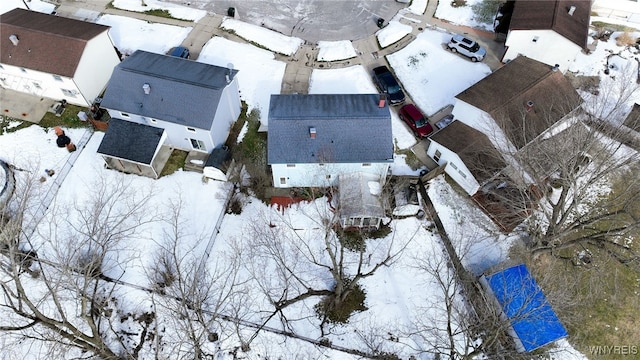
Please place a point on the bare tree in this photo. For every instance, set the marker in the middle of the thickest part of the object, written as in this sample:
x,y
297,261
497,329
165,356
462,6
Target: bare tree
x,y
194,292
292,263
56,286
562,171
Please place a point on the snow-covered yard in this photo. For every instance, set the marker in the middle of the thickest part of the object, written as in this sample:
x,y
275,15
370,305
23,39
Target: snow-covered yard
x,y
396,295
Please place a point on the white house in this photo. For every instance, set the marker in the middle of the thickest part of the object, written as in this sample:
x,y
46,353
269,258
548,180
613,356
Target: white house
x,y
195,104
55,57
527,100
313,139
552,32
468,155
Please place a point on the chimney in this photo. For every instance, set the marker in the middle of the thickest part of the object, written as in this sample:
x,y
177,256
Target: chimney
x,y
14,39
555,67
572,9
312,132
529,105
381,101
146,88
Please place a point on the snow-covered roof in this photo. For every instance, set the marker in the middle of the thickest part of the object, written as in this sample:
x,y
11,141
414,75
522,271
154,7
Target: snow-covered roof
x,y
360,195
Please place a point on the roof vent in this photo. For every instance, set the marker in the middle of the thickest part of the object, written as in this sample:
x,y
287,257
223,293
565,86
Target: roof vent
x,y
529,105
572,9
312,132
555,67
14,39
146,88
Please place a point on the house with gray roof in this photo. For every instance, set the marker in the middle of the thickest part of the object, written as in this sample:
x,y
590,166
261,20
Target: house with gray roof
x,y
55,57
195,104
312,139
550,31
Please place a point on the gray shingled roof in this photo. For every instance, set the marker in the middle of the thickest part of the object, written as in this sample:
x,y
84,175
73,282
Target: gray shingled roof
x,y
47,43
182,91
350,128
130,141
554,15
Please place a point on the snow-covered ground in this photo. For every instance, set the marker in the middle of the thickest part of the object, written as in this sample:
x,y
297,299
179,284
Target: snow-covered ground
x,y
396,295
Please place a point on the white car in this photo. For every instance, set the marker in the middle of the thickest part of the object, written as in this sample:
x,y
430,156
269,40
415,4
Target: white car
x,y
467,47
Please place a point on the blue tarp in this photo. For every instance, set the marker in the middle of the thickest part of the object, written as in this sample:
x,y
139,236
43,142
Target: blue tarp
x,y
531,316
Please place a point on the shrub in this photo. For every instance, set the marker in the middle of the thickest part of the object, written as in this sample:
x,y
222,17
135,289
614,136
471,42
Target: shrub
x,y
485,10
626,39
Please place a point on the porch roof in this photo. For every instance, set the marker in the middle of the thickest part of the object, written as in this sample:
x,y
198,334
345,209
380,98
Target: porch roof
x,y
131,141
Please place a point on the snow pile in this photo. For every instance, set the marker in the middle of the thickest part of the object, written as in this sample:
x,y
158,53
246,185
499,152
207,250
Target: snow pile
x,y
177,11
462,15
392,33
418,7
270,39
130,34
259,74
335,50
35,5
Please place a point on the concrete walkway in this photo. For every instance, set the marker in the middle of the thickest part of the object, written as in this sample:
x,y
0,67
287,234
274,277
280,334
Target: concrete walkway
x,y
299,66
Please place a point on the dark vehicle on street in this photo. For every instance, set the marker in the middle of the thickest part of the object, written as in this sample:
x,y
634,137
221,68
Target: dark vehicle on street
x,y
388,85
418,123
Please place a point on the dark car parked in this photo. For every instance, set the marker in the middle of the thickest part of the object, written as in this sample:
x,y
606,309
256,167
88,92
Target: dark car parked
x,y
388,85
180,51
416,120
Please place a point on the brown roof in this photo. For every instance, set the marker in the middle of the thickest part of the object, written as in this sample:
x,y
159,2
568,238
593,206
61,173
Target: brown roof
x,y
633,119
473,147
505,94
46,43
554,15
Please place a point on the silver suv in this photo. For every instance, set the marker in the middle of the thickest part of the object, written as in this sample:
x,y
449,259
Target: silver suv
x,y
466,47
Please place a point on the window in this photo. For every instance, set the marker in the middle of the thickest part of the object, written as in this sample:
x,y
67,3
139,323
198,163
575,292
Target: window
x,y
70,93
357,221
366,164
321,164
291,165
453,166
124,115
197,144
23,70
153,121
348,222
535,39
191,129
283,181
437,155
1,68
329,177
367,221
37,85
463,175
57,77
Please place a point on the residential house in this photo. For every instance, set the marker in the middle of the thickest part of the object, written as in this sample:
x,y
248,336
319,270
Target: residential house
x,y
467,154
313,139
517,103
195,104
552,32
55,57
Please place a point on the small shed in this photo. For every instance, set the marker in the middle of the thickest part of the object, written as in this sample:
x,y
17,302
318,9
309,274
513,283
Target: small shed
x,y
533,322
218,164
360,203
133,148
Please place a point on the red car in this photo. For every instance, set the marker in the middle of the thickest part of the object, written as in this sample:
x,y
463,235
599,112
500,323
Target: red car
x,y
416,121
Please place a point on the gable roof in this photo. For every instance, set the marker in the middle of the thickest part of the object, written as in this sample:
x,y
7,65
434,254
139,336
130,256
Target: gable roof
x,y
350,128
554,15
47,43
473,147
522,301
504,95
130,141
181,91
